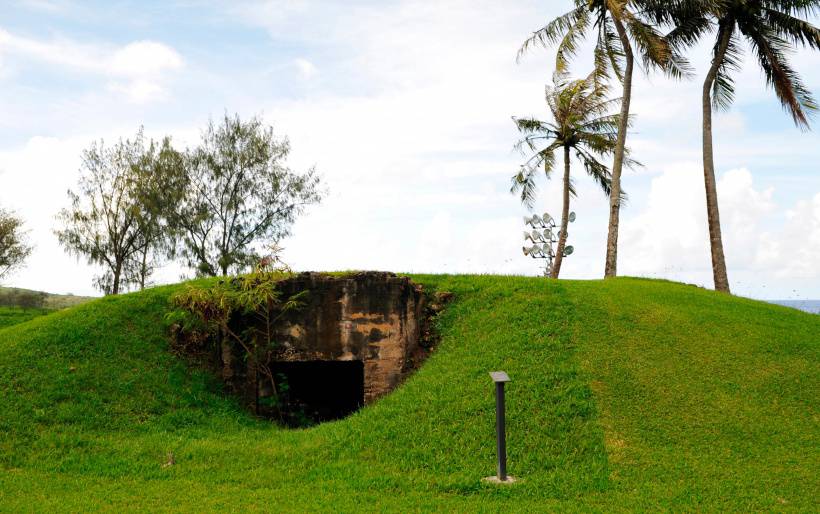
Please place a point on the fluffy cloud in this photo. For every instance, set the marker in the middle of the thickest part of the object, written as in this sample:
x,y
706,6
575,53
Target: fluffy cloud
x,y
797,252
34,181
305,68
670,238
139,69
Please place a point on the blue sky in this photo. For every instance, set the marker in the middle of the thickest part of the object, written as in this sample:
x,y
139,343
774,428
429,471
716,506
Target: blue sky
x,y
404,107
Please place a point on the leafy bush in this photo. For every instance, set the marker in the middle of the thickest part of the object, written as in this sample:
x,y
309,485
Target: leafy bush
x,y
236,313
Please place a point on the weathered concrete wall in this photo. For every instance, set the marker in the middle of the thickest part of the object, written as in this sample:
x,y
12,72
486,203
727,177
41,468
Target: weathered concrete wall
x,y
372,317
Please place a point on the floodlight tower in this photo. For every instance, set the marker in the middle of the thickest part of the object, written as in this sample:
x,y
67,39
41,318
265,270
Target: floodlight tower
x,y
544,236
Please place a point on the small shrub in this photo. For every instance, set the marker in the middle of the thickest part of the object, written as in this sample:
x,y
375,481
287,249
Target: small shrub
x,y
237,312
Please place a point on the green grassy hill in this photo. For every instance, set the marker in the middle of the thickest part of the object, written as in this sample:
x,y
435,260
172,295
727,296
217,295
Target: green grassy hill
x,y
626,395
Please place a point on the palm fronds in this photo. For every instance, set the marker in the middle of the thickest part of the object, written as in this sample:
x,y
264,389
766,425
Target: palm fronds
x,y
583,121
772,29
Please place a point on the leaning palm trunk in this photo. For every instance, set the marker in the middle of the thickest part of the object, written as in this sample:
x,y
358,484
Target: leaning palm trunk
x,y
562,236
611,265
712,211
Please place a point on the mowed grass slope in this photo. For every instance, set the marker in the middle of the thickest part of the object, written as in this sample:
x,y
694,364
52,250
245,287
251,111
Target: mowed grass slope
x,y
626,395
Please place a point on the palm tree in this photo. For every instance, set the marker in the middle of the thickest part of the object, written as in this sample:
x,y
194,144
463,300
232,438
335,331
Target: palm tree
x,y
771,28
583,124
618,28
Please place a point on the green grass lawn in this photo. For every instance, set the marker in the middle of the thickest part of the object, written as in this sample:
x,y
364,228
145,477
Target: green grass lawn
x,y
13,315
626,395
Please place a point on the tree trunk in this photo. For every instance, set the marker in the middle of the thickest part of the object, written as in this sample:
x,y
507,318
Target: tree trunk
x,y
144,269
115,284
562,238
712,211
611,266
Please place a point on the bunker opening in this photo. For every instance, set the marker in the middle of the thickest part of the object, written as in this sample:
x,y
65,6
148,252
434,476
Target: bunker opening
x,y
311,392
350,340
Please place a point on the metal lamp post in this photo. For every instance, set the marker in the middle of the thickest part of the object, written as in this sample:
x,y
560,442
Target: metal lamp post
x,y
500,378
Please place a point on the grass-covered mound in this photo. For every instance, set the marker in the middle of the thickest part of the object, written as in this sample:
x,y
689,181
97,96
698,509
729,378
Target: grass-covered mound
x,y
626,395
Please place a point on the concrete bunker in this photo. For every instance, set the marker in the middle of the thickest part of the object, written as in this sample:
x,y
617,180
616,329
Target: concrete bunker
x,y
355,338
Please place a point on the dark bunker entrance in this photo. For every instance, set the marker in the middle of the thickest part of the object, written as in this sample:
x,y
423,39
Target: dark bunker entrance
x,y
312,392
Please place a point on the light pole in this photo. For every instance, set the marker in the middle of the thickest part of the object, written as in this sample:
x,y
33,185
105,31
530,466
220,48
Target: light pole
x,y
544,237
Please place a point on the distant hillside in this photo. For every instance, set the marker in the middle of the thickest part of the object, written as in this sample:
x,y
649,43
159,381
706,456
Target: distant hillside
x,y
26,298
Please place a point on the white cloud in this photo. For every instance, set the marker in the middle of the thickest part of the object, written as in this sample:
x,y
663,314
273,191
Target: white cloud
x,y
144,59
797,253
443,85
306,69
139,69
669,237
139,90
34,182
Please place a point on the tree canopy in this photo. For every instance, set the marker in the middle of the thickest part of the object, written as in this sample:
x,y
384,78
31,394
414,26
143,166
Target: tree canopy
x,y
116,215
582,121
14,248
240,196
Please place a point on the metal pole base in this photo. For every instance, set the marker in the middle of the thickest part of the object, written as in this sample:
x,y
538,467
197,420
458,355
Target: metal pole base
x,y
495,480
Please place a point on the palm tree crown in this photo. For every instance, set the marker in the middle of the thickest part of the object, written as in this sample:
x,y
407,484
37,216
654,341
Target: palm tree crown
x,y
583,123
608,21
771,28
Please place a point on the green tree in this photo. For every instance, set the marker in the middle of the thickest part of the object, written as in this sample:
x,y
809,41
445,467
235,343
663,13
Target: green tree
x,y
160,184
240,196
620,31
582,123
13,246
771,28
115,217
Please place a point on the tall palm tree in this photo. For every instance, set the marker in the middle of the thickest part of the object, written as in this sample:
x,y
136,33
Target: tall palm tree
x,y
583,123
619,30
771,28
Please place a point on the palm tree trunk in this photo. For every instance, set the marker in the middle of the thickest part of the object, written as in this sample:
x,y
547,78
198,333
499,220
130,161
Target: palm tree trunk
x,y
611,267
712,212
562,238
